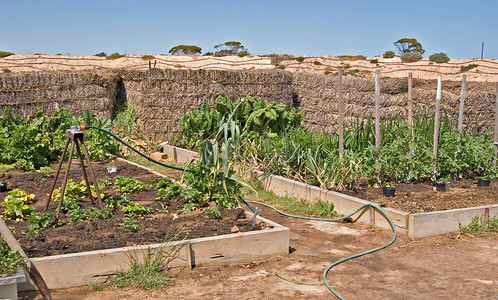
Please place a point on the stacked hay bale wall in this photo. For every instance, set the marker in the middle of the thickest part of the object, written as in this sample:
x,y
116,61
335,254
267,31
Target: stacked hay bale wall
x,y
77,91
318,98
161,97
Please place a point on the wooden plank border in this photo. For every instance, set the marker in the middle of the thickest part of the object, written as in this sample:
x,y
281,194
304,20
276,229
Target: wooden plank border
x,y
415,225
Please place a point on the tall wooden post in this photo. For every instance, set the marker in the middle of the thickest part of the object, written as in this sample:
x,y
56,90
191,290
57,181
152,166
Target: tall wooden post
x,y
436,121
410,101
341,113
496,126
462,103
377,109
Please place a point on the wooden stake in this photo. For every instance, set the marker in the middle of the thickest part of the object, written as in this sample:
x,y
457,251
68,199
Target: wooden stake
x,y
410,100
496,126
377,109
341,113
462,102
436,121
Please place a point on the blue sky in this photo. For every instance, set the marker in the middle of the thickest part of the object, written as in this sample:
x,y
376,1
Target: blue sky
x,y
311,28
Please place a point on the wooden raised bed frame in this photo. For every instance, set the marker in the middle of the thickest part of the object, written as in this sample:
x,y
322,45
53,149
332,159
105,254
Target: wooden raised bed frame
x,y
415,225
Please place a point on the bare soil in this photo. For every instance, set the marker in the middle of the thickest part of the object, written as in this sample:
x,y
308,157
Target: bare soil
x,y
439,267
421,197
107,233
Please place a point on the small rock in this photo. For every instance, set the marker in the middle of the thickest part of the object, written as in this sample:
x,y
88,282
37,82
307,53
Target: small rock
x,y
235,229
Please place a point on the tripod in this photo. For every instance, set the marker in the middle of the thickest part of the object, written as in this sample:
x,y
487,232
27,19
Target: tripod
x,y
77,138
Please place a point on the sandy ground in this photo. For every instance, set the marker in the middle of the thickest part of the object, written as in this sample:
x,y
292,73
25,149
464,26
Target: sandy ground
x,y
439,267
486,70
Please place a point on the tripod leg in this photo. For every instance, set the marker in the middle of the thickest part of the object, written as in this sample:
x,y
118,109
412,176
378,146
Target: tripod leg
x,y
57,212
84,171
99,200
57,174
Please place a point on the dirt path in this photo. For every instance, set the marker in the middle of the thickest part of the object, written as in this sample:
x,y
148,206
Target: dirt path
x,y
440,267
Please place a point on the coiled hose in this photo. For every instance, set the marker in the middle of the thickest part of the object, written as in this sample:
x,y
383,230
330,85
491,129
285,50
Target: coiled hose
x,y
246,202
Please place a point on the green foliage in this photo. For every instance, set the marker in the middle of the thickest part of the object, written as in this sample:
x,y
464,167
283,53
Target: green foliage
x,y
96,287
148,57
388,54
17,205
411,57
151,273
5,53
114,55
166,189
197,125
46,170
439,57
133,209
212,212
243,53
40,220
352,57
38,139
10,260
374,61
185,50
129,224
478,225
230,48
467,68
128,185
101,54
300,58
324,208
408,45
75,191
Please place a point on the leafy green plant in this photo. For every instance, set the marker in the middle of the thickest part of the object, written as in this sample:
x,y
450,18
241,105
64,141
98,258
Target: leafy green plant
x,y
46,170
439,57
10,260
467,68
150,271
129,224
478,225
17,205
212,212
127,185
133,209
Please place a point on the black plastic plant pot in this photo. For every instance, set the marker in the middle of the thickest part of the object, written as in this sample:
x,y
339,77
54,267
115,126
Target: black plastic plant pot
x,y
388,191
439,186
483,182
3,186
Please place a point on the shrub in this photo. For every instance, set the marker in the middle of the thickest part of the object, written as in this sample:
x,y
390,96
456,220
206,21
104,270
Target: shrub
x,y
411,57
5,53
439,57
374,61
6,70
467,68
317,63
243,53
350,57
101,54
300,59
388,54
148,57
115,55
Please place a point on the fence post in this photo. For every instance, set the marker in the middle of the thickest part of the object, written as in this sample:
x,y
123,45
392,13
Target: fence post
x,y
496,126
377,109
462,102
410,101
341,113
436,122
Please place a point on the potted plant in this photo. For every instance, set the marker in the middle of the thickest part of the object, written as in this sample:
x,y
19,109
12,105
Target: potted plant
x,y
486,176
11,272
3,186
388,190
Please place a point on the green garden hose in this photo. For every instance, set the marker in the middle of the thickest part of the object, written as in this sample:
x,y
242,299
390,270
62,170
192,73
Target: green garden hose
x,y
135,150
246,202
